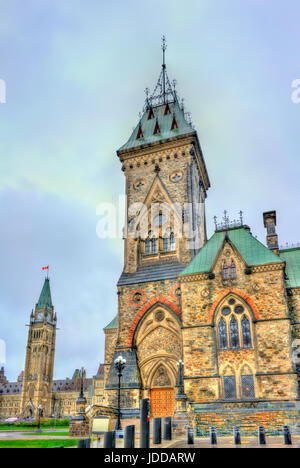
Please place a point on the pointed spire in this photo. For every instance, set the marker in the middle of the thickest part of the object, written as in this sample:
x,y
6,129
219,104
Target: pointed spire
x,y
45,299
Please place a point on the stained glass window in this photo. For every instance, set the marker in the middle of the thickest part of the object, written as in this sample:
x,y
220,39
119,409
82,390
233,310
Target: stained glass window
x,y
166,244
246,332
229,387
247,382
234,333
223,334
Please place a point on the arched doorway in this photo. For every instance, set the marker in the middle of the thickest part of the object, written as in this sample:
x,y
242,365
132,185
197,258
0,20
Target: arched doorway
x,y
162,394
159,347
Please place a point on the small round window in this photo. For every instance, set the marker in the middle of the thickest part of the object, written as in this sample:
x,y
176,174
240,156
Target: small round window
x,y
226,311
239,309
232,301
159,316
159,220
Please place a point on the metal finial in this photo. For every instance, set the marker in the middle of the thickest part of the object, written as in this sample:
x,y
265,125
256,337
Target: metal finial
x,y
164,47
216,223
241,217
182,104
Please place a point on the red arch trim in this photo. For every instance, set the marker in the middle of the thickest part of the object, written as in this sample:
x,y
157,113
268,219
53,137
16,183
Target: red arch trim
x,y
156,300
238,293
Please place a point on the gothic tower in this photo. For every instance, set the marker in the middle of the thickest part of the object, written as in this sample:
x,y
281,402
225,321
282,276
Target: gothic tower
x,y
38,373
166,186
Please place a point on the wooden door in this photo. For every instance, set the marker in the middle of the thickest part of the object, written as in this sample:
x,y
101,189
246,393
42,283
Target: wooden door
x,y
162,402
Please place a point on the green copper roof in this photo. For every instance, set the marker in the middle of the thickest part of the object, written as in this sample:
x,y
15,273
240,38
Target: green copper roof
x,y
45,297
165,124
292,259
112,324
251,250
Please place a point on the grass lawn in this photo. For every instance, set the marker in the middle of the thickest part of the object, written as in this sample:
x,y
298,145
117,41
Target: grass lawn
x,y
20,428
38,443
58,434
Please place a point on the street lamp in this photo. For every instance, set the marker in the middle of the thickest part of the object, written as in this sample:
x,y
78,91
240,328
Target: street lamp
x,y
40,410
119,365
180,365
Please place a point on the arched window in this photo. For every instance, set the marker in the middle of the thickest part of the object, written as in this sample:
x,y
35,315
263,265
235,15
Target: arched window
x,y
172,242
247,386
246,333
229,387
154,245
166,243
233,270
223,340
148,246
234,333
225,271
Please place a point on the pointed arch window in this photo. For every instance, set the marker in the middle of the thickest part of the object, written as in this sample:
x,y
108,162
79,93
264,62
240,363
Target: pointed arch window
x,y
246,332
223,340
148,246
247,386
230,387
166,243
167,110
172,242
234,333
154,245
225,271
140,133
233,270
151,114
156,129
174,125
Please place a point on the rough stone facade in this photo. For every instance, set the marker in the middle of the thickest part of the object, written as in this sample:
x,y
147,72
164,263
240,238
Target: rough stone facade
x,y
233,321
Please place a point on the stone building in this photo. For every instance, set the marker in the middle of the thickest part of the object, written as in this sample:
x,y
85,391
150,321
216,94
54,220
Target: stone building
x,y
35,386
228,305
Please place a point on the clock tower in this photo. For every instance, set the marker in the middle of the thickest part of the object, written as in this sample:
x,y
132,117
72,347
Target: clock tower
x,y
38,373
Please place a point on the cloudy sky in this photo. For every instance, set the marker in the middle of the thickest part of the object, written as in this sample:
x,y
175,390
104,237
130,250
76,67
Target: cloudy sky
x,y
75,73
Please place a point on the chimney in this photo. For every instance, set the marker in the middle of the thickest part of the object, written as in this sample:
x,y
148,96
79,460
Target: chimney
x,y
270,225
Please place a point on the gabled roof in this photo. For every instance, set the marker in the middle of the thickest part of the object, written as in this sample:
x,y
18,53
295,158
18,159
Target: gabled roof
x,y
251,250
164,122
112,324
45,297
292,259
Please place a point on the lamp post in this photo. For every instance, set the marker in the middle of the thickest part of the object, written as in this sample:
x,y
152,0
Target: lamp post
x,y
40,410
119,365
180,365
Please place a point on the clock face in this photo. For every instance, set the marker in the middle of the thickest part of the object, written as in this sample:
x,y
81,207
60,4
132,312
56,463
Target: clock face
x,y
41,316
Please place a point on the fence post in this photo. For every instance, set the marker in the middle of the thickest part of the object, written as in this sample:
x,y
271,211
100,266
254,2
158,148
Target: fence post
x,y
109,440
144,418
190,436
168,428
157,431
237,435
287,435
213,436
129,440
261,435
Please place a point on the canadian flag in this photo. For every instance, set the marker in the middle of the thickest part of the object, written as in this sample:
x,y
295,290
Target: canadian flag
x,y
45,268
